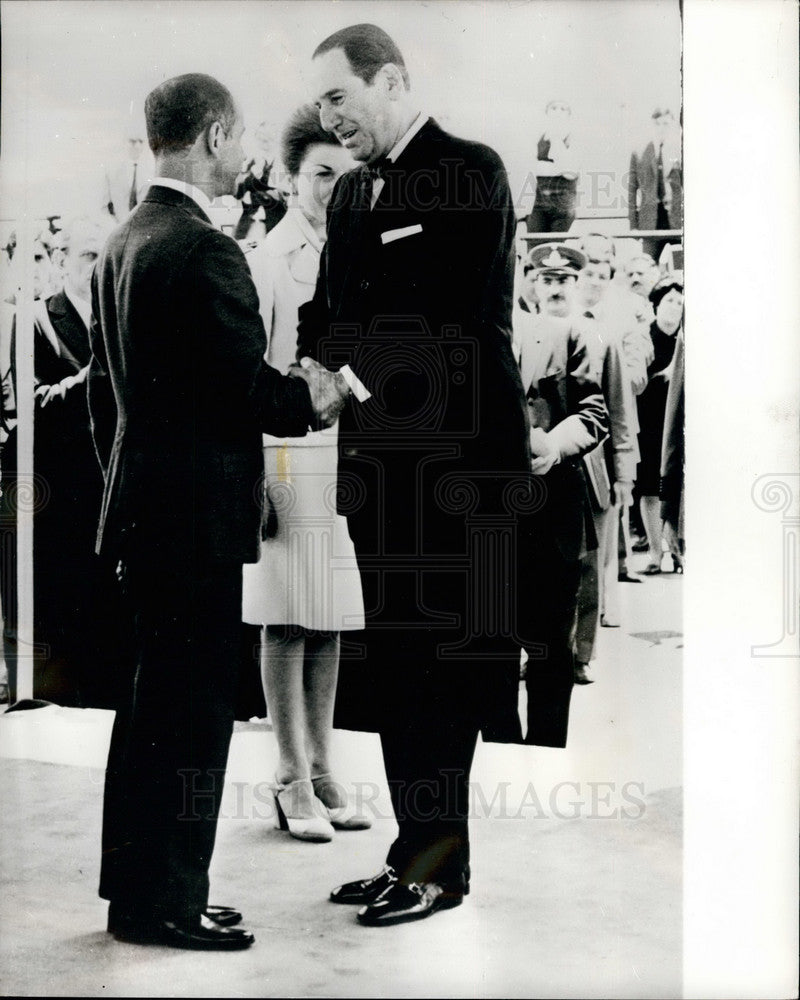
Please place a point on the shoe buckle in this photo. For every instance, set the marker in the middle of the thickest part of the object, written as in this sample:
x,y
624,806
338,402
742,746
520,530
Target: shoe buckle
x,y
416,888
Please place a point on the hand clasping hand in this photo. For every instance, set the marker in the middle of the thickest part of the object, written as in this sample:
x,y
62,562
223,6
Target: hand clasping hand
x,y
545,454
329,391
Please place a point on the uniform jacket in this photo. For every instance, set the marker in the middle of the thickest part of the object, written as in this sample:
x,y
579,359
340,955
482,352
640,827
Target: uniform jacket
x,y
558,366
179,391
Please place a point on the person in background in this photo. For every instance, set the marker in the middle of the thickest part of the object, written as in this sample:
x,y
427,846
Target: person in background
x,y
611,466
556,173
624,310
45,283
667,301
568,419
655,178
640,274
306,587
526,301
76,620
263,204
126,180
672,456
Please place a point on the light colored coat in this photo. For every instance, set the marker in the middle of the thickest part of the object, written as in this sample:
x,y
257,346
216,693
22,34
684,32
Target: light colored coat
x,y
284,268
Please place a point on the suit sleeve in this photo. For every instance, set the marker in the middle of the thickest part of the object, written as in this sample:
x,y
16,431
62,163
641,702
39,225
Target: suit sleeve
x,y
99,392
637,349
586,424
633,190
232,340
619,403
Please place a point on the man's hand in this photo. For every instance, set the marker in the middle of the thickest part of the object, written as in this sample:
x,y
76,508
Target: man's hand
x,y
45,394
329,391
545,454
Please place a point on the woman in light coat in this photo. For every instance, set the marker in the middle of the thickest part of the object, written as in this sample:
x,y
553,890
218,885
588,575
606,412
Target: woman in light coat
x,y
306,587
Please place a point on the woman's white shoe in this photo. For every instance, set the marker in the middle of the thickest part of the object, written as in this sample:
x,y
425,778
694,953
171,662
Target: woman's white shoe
x,y
300,813
346,816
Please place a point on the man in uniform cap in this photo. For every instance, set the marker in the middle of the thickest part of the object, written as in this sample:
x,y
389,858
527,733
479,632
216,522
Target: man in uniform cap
x,y
556,267
568,419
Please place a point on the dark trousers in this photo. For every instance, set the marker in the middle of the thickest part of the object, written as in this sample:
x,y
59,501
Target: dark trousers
x,y
551,219
551,543
169,745
425,703
428,745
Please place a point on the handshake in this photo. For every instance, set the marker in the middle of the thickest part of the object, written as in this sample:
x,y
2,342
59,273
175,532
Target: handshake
x,y
328,390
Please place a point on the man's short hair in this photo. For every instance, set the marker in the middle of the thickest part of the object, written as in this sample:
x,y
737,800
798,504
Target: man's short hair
x,y
590,244
645,257
180,109
367,48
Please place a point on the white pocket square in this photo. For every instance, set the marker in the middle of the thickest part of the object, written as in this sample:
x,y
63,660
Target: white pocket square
x,y
398,234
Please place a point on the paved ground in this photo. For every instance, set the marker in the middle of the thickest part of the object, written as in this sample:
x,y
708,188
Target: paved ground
x,y
576,858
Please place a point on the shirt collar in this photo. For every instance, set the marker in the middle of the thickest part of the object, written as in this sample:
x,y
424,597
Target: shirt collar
x,y
415,127
199,197
82,306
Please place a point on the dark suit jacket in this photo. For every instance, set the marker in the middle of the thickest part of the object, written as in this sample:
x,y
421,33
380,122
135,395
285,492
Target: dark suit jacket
x,y
63,440
416,296
178,387
643,187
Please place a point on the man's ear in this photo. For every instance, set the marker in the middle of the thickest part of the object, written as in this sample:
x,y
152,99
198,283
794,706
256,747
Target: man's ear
x,y
395,85
214,138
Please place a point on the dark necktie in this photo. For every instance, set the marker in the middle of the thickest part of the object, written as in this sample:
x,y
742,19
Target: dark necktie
x,y
660,189
589,314
132,199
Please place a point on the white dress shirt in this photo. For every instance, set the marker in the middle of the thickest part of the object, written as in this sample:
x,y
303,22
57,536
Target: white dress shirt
x,y
198,196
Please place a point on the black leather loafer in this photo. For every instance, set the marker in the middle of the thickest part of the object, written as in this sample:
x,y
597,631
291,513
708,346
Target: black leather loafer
x,y
224,916
201,934
367,889
402,903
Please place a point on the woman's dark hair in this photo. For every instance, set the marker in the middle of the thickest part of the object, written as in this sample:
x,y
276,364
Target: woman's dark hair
x,y
178,110
663,287
367,48
300,132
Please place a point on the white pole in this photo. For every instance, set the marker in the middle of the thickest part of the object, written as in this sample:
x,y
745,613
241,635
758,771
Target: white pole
x,y
26,486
